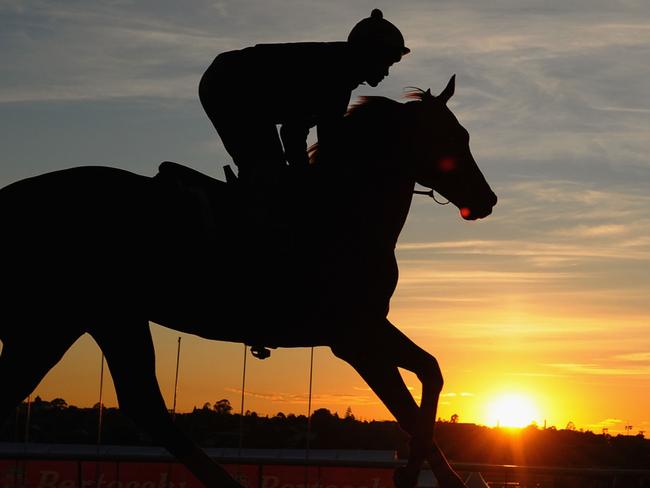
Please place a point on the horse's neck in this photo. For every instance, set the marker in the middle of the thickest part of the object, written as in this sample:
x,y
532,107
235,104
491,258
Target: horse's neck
x,y
390,188
364,168
394,203
374,205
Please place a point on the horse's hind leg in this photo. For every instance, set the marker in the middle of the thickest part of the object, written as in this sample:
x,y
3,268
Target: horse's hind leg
x,y
25,360
131,361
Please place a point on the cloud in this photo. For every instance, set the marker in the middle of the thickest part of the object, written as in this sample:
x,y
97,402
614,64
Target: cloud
x,y
94,52
536,375
451,394
624,109
300,398
531,81
75,50
611,421
417,276
606,423
640,357
560,234
635,250
605,230
598,370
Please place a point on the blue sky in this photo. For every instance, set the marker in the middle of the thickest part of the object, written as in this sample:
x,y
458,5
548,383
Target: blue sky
x,y
555,96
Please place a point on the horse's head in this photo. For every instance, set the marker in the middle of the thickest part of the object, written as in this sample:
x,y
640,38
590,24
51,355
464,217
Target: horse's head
x,y
443,161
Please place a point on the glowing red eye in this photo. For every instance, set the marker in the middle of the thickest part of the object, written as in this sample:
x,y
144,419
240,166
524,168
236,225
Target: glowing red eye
x,y
465,212
446,164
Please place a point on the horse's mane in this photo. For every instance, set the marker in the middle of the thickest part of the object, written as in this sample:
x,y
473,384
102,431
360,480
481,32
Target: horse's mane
x,y
417,94
366,119
366,104
359,122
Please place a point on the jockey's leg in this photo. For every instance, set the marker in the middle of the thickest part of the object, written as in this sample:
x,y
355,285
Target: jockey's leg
x,y
255,148
253,143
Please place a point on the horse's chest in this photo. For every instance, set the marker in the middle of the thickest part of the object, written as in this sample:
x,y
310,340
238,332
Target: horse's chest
x,y
359,280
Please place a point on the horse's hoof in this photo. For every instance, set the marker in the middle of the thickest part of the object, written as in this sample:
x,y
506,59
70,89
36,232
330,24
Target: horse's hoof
x,y
403,479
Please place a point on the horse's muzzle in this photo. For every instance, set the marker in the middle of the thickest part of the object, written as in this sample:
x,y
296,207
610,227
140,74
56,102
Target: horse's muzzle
x,y
480,209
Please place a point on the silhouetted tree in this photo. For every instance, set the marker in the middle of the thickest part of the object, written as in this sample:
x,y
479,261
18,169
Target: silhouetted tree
x,y
463,442
59,403
348,414
222,406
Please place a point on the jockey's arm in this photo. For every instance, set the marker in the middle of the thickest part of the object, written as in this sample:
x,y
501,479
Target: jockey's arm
x,y
329,123
294,139
327,118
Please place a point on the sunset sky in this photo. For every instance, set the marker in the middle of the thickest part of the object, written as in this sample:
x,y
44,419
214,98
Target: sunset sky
x,y
546,299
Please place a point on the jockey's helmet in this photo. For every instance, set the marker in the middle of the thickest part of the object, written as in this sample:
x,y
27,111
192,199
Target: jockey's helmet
x,y
377,34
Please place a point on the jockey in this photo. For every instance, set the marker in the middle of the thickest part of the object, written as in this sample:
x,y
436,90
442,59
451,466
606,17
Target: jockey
x,y
248,92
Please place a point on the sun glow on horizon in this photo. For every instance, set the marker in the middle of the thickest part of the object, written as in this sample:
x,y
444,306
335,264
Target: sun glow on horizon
x,y
511,410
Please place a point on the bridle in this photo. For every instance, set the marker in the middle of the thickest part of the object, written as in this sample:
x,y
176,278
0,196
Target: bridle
x,y
431,194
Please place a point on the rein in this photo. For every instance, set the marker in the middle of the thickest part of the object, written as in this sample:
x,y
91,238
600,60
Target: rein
x,y
431,194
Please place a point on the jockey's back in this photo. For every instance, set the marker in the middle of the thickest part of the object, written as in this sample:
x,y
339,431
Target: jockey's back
x,y
292,81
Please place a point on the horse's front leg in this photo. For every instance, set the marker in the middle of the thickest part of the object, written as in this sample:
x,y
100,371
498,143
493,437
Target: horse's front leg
x,y
376,354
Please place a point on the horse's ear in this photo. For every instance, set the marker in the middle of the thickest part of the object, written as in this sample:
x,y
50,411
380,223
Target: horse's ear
x,y
449,90
428,92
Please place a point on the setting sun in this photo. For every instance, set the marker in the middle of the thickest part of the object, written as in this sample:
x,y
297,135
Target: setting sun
x,y
512,410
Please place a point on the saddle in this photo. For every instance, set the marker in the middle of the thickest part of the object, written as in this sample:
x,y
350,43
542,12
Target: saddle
x,y
206,196
186,176
254,207
196,194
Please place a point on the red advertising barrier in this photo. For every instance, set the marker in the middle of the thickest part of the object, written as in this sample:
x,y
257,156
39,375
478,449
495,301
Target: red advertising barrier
x,y
8,473
126,474
339,477
247,474
279,476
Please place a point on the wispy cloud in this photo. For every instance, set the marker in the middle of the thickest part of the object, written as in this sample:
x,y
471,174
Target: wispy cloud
x,y
634,250
417,276
641,357
299,398
606,424
598,370
454,395
536,375
604,230
550,252
147,49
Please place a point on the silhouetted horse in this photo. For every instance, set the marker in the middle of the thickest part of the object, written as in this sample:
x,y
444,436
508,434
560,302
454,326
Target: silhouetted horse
x,y
105,251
